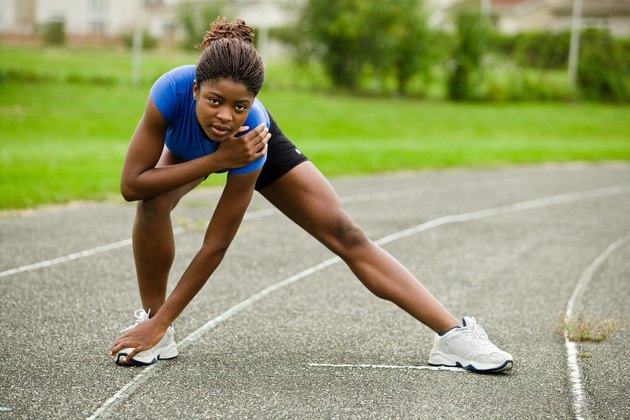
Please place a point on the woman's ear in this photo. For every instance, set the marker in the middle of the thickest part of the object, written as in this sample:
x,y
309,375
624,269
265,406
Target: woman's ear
x,y
195,89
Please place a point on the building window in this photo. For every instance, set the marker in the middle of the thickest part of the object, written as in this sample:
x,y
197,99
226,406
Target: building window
x,y
98,11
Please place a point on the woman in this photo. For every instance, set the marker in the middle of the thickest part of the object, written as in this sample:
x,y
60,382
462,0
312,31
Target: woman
x,y
188,131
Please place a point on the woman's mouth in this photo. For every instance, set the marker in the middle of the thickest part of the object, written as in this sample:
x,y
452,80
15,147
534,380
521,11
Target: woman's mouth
x,y
219,130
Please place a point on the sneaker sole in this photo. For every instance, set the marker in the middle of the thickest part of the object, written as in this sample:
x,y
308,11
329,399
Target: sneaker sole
x,y
120,361
470,367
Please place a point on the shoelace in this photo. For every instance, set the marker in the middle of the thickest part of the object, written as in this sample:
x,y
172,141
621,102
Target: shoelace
x,y
478,331
479,335
140,315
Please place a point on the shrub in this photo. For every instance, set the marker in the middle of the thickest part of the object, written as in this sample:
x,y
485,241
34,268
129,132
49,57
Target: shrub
x,y
54,33
511,83
354,39
603,70
465,63
545,50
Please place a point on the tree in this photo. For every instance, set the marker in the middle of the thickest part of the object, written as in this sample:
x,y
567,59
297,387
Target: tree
x,y
352,36
410,50
470,46
603,68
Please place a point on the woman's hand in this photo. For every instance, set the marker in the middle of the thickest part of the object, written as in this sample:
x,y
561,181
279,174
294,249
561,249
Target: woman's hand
x,y
143,336
240,151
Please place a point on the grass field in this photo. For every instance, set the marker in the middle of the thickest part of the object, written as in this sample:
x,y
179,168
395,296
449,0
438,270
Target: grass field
x,y
66,118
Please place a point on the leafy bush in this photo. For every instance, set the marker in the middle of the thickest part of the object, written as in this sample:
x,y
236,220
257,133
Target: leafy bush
x,y
544,50
603,70
54,33
25,76
355,38
471,39
508,82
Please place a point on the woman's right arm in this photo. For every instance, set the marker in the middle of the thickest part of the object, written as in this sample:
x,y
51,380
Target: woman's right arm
x,y
142,179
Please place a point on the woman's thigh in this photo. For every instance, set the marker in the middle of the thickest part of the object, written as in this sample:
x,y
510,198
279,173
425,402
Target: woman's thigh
x,y
305,196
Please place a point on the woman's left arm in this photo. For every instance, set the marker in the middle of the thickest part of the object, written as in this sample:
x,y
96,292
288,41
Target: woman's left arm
x,y
221,230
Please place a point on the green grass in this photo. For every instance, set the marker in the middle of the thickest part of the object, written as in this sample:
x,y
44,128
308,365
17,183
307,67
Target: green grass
x,y
66,118
582,328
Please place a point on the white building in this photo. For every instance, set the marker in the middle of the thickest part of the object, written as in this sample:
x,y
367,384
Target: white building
x,y
113,17
513,16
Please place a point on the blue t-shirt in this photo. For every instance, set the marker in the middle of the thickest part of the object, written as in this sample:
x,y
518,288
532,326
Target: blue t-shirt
x,y
172,93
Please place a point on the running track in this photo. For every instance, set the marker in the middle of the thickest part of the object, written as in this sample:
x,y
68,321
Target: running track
x,y
283,330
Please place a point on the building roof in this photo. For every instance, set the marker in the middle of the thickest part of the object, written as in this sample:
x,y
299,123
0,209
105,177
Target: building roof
x,y
557,7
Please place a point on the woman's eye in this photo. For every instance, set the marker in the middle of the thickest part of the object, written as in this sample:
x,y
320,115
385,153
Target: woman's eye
x,y
240,107
214,101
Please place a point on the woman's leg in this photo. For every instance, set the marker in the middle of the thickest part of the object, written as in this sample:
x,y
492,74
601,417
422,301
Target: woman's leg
x,y
153,241
306,197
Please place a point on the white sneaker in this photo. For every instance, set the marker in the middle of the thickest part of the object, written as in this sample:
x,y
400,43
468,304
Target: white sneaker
x,y
468,347
165,349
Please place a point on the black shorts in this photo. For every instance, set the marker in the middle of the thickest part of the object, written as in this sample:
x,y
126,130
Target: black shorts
x,y
282,156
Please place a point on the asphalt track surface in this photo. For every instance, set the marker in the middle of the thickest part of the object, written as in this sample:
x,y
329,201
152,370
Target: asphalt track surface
x,y
283,329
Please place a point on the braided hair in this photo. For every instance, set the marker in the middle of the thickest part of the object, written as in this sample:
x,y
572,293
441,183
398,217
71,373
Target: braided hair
x,y
229,53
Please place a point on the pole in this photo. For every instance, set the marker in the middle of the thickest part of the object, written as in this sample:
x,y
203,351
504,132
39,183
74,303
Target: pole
x,y
485,8
574,49
136,48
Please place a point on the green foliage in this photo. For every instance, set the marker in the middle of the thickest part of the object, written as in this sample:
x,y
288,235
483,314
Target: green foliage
x,y
194,19
604,69
385,47
401,43
583,328
603,72
504,81
471,44
333,31
356,37
54,33
542,50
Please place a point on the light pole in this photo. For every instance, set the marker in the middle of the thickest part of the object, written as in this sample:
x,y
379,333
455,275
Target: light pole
x,y
485,8
136,47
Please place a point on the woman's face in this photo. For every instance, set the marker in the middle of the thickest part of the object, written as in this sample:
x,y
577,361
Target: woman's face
x,y
222,107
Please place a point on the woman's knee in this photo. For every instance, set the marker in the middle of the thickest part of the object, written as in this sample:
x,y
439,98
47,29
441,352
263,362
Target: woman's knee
x,y
346,236
156,209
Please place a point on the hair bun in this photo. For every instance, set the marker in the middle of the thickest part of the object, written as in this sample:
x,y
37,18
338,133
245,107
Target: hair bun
x,y
221,28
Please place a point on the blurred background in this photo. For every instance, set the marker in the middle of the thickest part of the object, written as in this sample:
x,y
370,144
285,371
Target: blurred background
x,y
360,85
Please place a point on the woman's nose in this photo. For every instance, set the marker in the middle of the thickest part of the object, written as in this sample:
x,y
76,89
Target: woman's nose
x,y
224,114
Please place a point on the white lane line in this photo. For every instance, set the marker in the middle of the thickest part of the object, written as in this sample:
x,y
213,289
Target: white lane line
x,y
124,392
410,367
510,208
110,247
252,215
66,258
579,405
559,199
75,256
253,299
129,388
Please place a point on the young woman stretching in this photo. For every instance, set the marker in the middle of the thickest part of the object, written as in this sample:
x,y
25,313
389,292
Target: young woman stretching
x,y
192,127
